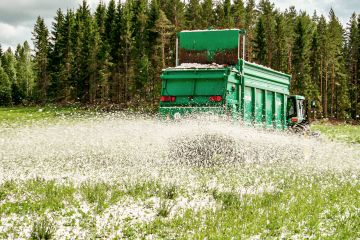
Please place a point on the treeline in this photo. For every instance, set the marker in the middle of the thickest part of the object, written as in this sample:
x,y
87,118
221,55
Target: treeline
x,y
115,54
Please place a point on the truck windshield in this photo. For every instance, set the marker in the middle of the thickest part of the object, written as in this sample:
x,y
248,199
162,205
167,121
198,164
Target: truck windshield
x,y
291,107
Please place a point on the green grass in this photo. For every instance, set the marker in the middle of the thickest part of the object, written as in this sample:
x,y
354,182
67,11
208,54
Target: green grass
x,y
346,133
307,205
36,196
300,207
25,115
42,230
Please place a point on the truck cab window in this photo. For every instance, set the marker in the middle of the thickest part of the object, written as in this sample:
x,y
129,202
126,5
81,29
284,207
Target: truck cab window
x,y
291,107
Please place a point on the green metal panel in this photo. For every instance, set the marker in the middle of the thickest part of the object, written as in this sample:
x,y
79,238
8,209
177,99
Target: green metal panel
x,y
260,106
211,40
269,109
193,87
248,104
208,46
279,110
265,78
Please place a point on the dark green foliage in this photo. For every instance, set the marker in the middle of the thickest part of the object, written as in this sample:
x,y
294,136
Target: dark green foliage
x,y
43,230
115,55
260,46
193,15
5,88
41,44
238,13
301,50
207,14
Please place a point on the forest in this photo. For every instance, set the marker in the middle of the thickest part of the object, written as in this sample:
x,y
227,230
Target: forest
x,y
114,55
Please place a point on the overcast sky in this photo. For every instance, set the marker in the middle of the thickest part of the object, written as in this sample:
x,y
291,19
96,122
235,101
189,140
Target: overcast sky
x,y
17,17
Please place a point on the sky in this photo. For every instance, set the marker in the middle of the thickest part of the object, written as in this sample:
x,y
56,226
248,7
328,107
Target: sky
x,y
17,17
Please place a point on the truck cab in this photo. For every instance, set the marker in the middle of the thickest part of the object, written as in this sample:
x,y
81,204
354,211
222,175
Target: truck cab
x,y
297,110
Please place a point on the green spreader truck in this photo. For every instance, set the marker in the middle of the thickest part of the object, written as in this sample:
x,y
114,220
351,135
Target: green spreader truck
x,y
211,76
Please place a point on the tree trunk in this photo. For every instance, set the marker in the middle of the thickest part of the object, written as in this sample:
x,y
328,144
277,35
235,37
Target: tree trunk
x,y
332,90
326,92
321,87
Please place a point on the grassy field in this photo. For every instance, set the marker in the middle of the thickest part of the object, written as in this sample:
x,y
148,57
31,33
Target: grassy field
x,y
111,178
342,132
28,115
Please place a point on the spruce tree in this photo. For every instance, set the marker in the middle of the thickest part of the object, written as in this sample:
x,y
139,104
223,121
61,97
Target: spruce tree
x,y
193,15
9,66
25,74
238,13
219,14
315,66
358,75
267,15
83,26
41,59
260,44
67,86
339,87
103,56
280,50
352,64
56,56
228,21
164,29
301,82
323,54
250,18
140,50
5,88
127,42
207,14
290,23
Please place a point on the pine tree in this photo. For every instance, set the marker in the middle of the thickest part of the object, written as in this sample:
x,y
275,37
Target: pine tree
x,y
266,9
140,51
41,44
219,14
352,55
339,87
301,82
103,56
323,52
260,44
127,42
358,75
25,74
207,14
238,13
290,23
280,51
9,66
193,15
154,62
5,88
83,26
164,29
228,21
56,56
315,66
250,17
175,12
66,84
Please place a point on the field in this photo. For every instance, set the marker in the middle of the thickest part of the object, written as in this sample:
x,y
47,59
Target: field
x,y
70,174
